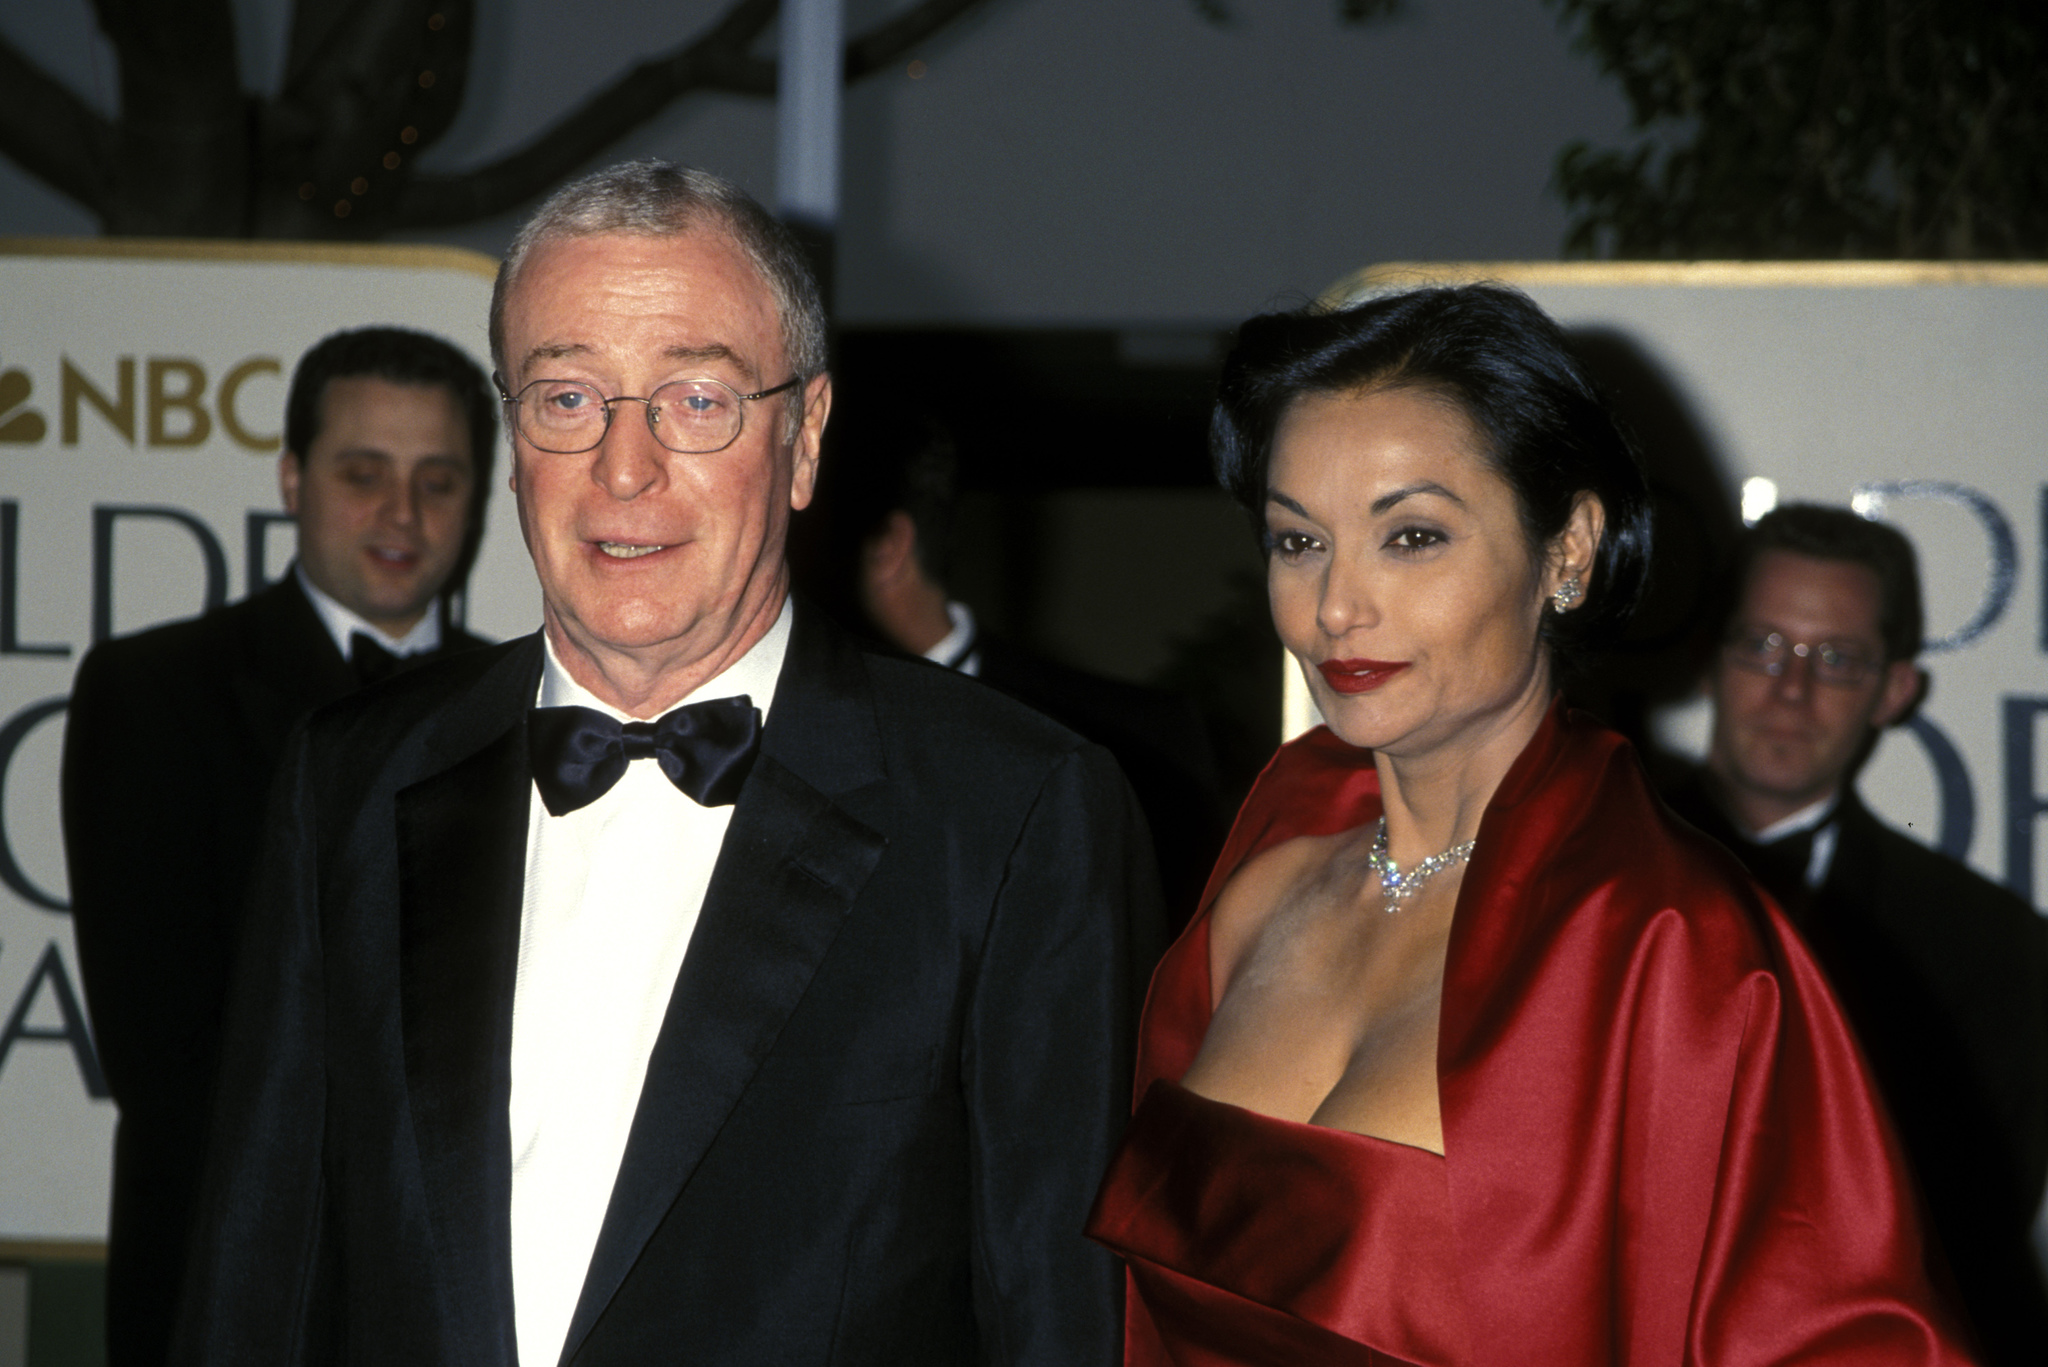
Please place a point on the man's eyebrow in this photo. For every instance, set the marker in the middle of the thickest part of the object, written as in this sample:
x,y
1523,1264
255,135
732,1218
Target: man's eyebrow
x,y
551,351
456,458
714,351
1406,491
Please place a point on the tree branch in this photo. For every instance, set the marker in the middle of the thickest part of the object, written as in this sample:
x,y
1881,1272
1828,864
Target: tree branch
x,y
1348,11
179,160
881,45
722,59
51,133
370,84
719,60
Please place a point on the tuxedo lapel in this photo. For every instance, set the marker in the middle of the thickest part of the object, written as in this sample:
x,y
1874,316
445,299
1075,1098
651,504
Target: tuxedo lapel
x,y
790,868
461,870
290,664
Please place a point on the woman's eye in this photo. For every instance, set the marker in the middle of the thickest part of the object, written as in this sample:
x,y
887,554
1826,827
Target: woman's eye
x,y
1291,544
1415,538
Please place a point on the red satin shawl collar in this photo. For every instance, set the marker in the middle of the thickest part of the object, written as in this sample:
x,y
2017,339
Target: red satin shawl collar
x,y
1660,1141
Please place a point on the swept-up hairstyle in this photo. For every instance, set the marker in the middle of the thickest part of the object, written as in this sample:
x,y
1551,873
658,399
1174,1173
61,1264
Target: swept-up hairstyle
x,y
1507,367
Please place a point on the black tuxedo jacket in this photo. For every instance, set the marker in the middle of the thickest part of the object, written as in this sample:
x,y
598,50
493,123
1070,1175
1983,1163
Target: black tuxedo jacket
x,y
1159,741
894,1061
173,738
1944,976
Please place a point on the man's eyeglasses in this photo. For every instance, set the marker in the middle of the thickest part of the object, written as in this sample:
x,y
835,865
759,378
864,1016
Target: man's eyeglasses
x,y
1766,652
689,417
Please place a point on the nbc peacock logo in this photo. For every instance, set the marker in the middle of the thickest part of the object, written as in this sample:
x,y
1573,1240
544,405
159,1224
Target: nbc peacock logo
x,y
19,425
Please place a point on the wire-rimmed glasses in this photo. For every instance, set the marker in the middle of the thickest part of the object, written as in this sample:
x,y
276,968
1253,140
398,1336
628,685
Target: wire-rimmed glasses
x,y
1768,652
689,417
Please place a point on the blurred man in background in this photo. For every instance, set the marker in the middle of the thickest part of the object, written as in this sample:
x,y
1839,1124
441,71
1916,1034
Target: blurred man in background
x,y
888,496
1943,974
175,733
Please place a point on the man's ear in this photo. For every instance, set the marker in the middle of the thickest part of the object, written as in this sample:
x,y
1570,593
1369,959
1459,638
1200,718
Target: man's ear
x,y
892,549
1903,682
289,471
810,436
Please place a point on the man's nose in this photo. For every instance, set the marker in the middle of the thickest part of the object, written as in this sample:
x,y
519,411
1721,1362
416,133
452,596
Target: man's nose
x,y
402,504
1795,678
629,461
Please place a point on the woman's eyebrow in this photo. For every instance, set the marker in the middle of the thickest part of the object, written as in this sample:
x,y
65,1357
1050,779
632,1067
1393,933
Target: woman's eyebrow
x,y
1427,486
1275,496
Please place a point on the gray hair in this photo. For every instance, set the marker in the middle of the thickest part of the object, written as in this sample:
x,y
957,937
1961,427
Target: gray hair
x,y
661,199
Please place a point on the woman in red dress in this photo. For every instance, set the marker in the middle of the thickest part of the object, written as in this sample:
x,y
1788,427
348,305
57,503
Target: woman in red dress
x,y
1474,1053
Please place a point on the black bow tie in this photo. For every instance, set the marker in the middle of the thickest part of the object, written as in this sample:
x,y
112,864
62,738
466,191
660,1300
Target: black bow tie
x,y
705,749
371,662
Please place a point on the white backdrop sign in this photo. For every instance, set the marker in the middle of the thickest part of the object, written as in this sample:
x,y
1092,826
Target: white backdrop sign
x,y
142,394
1913,393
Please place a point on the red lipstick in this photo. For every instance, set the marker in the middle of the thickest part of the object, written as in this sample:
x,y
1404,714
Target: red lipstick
x,y
1359,676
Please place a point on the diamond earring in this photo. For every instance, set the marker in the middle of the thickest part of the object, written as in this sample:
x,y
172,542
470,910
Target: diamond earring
x,y
1567,596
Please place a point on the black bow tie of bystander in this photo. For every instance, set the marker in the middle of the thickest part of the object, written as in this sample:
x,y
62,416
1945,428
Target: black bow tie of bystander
x,y
1781,867
373,663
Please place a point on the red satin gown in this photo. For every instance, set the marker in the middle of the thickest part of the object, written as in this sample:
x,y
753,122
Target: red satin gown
x,y
1661,1144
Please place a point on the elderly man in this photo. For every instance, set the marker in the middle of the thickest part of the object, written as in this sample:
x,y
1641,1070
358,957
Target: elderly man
x,y
678,983
1943,974
176,733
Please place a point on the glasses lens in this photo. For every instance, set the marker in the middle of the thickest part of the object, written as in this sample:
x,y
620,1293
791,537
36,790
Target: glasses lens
x,y
1839,666
1763,651
693,417
561,415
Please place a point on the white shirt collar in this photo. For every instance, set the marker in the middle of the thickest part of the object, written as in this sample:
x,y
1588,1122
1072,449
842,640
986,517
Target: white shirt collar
x,y
953,649
341,623
1808,818
753,674
1805,819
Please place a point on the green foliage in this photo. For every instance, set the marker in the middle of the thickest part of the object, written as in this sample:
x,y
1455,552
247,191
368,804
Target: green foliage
x,y
1815,129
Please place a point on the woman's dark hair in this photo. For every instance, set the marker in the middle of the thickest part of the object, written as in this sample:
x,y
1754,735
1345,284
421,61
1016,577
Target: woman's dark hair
x,y
1508,368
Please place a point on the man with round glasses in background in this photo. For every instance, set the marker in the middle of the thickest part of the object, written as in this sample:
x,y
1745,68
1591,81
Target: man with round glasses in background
x,y
1943,974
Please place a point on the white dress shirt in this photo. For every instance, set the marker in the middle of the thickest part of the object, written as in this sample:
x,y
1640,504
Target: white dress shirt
x,y
342,623
612,895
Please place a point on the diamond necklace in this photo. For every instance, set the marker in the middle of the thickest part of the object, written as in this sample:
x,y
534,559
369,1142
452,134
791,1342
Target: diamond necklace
x,y
1397,887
